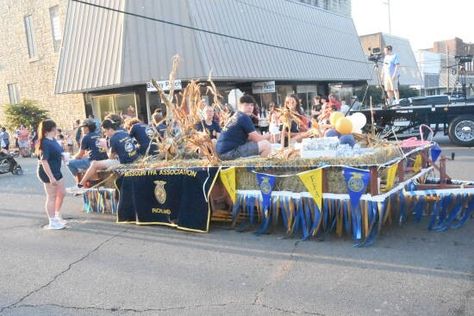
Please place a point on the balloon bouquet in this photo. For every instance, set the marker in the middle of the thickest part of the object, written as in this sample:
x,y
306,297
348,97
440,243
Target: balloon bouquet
x,y
343,127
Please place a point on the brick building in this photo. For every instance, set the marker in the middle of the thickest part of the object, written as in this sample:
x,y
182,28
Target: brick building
x,y
453,75
31,34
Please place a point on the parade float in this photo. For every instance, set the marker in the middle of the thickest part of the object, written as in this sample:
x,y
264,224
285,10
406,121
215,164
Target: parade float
x,y
342,179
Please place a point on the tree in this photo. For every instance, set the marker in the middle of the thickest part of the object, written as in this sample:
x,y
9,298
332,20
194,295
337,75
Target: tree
x,y
374,91
407,92
25,113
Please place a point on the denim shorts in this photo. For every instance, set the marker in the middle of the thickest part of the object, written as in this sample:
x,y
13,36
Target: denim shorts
x,y
246,150
76,165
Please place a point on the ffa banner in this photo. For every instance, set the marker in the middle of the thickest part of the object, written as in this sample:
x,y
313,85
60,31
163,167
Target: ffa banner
x,y
313,181
391,174
435,152
228,180
173,197
356,181
418,163
266,183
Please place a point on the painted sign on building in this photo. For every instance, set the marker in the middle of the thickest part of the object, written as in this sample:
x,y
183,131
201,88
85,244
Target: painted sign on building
x,y
263,87
164,85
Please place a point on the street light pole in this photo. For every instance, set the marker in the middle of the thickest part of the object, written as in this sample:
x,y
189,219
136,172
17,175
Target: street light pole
x,y
387,2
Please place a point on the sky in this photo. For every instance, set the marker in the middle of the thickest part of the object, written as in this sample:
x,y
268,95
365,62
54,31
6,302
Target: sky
x,y
422,22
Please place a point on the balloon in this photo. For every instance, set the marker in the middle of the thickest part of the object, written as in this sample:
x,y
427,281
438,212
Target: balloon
x,y
334,117
347,139
331,133
344,126
358,121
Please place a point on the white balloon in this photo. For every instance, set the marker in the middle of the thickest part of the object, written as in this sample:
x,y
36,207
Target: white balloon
x,y
358,121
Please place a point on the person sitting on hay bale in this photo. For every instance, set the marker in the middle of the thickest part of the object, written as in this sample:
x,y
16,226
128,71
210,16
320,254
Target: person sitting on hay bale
x,y
209,124
121,147
89,145
299,123
159,123
239,137
143,134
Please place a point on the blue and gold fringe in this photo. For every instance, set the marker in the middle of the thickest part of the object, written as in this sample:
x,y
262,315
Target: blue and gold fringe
x,y
100,200
298,213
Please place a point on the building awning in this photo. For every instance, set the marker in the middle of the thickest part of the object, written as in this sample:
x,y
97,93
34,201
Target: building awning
x,y
244,40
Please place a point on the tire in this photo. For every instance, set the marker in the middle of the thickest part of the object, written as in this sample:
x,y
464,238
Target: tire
x,y
18,171
461,130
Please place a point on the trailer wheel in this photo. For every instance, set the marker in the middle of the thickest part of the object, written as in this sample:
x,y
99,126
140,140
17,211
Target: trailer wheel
x,y
461,130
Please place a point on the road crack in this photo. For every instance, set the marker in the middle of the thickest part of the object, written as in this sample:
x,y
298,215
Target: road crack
x,y
13,305
283,271
129,310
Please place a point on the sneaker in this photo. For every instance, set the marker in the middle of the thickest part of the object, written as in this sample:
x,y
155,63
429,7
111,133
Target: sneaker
x,y
76,190
61,220
54,224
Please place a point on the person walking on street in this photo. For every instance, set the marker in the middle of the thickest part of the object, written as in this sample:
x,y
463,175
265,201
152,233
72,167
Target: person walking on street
x,y
5,137
49,172
24,141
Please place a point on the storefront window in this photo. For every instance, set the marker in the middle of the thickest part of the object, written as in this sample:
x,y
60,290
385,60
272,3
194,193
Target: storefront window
x,y
123,104
305,94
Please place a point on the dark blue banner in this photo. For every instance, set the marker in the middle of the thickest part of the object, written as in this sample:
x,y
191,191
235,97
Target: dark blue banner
x,y
357,181
176,197
265,183
435,152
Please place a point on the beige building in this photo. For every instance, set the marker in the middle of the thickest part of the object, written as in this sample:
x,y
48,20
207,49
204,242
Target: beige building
x,y
30,36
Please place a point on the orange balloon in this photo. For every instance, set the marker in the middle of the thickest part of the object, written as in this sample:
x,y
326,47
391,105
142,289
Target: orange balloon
x,y
344,126
334,117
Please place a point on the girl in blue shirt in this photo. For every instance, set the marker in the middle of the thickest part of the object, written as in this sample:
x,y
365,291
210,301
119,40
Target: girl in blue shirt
x,y
49,172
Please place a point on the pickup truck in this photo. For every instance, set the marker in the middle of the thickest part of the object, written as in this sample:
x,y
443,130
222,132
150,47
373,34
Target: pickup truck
x,y
454,117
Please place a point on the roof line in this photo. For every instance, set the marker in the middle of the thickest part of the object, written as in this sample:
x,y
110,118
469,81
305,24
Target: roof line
x,y
217,33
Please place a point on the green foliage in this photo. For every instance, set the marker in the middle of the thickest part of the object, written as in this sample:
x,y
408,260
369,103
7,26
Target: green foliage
x,y
26,112
377,94
407,92
374,91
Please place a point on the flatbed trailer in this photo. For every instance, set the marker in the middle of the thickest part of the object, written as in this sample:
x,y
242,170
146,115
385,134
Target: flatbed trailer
x,y
455,119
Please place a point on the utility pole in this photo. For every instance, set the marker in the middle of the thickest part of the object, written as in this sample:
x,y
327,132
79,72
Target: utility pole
x,y
448,69
387,2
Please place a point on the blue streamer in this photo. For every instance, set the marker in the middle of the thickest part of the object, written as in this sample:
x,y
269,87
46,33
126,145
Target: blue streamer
x,y
346,217
373,226
403,208
316,220
467,214
434,214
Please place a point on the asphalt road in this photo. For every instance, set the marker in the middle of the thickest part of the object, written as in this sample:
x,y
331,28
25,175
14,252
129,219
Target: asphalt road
x,y
98,267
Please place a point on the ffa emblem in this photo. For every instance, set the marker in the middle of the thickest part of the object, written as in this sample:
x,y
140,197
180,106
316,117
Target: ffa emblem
x,y
265,186
149,132
160,192
129,147
356,184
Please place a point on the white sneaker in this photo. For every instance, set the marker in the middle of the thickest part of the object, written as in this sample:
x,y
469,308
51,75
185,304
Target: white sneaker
x,y
54,224
60,219
76,190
